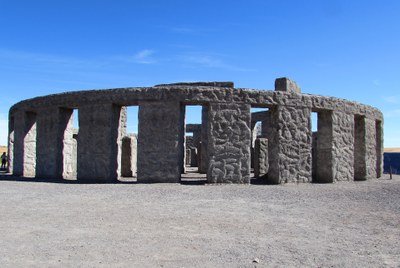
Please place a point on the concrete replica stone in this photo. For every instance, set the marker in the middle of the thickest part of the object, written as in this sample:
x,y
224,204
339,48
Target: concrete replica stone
x,y
261,162
347,146
129,156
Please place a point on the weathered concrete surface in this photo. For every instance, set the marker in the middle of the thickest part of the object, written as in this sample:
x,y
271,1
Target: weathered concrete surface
x,y
70,148
202,153
129,156
51,125
323,149
98,143
343,146
290,145
229,140
346,149
160,142
287,85
24,144
261,164
360,161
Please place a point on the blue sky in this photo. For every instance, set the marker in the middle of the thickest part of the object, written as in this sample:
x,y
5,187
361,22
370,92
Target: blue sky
x,y
346,49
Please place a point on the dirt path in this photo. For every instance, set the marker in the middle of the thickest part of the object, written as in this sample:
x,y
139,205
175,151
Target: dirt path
x,y
171,225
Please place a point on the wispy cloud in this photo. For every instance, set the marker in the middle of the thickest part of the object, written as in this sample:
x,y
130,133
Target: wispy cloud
x,y
206,60
144,56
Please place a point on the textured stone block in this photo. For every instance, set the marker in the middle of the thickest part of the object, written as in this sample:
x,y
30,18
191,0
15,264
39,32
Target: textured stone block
x,y
261,164
323,149
129,156
160,142
290,145
287,85
343,146
51,125
25,144
229,141
203,155
98,143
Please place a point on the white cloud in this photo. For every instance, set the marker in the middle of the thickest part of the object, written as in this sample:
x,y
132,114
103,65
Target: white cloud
x,y
144,56
209,61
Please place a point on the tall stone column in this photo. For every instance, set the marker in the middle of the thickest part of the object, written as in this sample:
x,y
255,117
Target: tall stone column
x,y
202,153
24,144
229,141
70,146
360,149
323,154
342,146
99,141
290,145
51,125
379,148
370,148
11,139
160,141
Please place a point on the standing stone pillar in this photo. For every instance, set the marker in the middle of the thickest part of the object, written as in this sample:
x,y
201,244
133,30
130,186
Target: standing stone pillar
x,y
98,142
70,145
129,156
229,141
266,125
202,153
379,148
360,149
261,164
51,125
370,148
11,138
160,141
342,146
290,145
24,163
323,148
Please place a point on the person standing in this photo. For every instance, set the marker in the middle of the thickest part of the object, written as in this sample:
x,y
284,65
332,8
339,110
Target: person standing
x,y
3,160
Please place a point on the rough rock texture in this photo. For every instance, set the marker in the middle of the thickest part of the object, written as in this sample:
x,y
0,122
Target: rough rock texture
x,y
370,148
229,140
290,145
51,125
98,143
379,148
160,142
261,164
343,146
323,149
202,84
202,153
129,156
285,84
349,144
360,163
70,149
25,144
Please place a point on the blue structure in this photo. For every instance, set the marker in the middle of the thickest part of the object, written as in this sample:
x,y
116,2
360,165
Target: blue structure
x,y
391,160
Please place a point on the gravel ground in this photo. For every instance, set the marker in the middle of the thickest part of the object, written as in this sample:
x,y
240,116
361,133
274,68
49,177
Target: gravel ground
x,y
53,224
